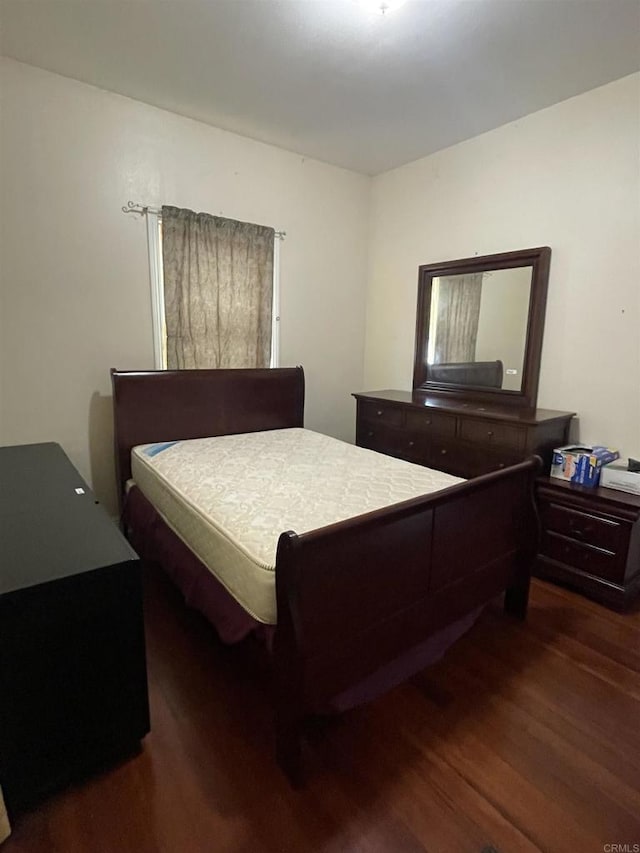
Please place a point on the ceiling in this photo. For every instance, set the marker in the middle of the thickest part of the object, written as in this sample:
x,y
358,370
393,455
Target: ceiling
x,y
329,78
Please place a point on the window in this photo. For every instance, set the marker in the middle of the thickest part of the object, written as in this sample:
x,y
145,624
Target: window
x,y
156,270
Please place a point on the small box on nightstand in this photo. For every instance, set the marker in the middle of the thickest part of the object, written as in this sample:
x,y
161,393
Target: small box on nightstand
x,y
616,475
581,465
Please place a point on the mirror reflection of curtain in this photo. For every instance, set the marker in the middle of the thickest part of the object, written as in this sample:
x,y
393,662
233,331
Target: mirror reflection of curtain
x,y
458,315
218,290
5,829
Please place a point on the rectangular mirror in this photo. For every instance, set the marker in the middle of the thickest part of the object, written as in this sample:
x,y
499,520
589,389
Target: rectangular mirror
x,y
479,326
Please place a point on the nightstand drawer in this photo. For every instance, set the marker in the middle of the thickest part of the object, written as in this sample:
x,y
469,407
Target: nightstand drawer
x,y
432,423
586,528
490,433
379,413
594,561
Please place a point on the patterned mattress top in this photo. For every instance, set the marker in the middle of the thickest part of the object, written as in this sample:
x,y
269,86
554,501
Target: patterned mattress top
x,y
254,486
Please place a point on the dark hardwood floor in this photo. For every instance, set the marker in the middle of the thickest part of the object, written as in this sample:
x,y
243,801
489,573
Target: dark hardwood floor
x,y
526,737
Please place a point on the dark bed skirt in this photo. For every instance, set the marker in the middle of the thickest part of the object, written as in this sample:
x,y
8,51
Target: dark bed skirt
x,y
155,542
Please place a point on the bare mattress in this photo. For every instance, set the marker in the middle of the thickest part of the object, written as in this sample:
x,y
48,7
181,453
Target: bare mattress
x,y
230,497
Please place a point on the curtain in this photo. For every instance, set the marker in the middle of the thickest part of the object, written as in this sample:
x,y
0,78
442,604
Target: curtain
x,y
458,315
218,290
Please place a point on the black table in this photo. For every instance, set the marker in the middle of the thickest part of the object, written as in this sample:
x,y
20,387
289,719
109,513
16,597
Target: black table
x,y
73,685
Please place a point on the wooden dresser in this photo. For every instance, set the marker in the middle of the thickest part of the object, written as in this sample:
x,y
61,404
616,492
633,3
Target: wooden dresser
x,y
462,438
590,540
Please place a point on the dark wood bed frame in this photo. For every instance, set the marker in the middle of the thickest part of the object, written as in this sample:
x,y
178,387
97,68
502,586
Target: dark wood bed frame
x,y
355,595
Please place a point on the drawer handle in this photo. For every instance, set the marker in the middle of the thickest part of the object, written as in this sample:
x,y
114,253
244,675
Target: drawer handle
x,y
443,452
501,465
489,432
411,443
370,434
580,532
379,412
428,422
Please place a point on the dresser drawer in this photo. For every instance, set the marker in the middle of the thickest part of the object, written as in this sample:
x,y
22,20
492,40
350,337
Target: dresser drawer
x,y
394,442
594,561
587,528
494,460
448,456
441,455
491,433
374,412
432,423
468,460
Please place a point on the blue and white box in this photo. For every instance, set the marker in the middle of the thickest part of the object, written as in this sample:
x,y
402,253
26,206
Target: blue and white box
x,y
581,465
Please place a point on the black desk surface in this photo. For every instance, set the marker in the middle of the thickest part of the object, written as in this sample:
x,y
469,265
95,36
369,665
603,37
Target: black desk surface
x,y
47,529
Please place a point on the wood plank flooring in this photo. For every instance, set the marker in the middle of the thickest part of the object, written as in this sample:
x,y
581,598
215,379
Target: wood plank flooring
x,y
526,737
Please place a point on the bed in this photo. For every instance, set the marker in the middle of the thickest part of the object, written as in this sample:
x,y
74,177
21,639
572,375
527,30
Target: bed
x,y
358,600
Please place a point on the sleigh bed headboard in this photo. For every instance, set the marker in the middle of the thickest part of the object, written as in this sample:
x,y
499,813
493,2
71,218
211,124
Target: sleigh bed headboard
x,y
164,405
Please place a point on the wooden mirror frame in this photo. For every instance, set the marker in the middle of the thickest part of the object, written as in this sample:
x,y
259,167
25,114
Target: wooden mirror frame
x,y
539,259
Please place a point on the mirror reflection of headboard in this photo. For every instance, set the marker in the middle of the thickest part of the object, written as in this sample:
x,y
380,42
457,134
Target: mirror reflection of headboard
x,y
487,374
479,327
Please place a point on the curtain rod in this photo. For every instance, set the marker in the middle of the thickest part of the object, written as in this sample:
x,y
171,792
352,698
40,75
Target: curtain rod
x,y
143,209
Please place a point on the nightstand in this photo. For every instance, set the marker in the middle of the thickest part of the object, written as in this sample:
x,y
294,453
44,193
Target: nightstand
x,y
590,540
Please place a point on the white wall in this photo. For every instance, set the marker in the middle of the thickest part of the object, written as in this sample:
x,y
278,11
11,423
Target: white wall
x,y
74,274
567,177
